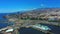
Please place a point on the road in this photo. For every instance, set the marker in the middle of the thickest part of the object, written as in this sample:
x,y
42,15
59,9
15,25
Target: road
x,y
31,22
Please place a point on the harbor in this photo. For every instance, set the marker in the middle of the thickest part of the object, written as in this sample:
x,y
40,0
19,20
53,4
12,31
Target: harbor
x,y
40,27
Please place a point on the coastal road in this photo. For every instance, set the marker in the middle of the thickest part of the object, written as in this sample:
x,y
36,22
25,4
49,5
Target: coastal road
x,y
31,22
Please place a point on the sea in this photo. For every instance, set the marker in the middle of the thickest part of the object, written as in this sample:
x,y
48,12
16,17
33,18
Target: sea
x,y
54,29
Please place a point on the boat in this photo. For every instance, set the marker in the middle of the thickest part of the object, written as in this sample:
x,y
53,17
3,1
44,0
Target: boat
x,y
42,27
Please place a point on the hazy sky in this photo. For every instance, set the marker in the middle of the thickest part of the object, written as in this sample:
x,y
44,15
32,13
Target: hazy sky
x,y
18,5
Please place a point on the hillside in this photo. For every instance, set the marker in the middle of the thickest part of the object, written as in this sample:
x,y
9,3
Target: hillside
x,y
38,11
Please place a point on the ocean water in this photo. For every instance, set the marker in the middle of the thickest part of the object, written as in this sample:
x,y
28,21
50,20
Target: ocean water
x,y
3,24
30,31
54,29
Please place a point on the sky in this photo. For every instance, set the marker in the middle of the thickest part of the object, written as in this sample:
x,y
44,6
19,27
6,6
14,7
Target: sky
x,y
7,6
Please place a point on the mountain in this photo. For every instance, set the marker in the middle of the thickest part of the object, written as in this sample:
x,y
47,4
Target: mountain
x,y
35,12
43,10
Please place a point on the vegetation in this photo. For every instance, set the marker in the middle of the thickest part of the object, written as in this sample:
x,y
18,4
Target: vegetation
x,y
54,20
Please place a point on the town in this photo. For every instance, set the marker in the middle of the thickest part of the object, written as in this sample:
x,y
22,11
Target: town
x,y
29,19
